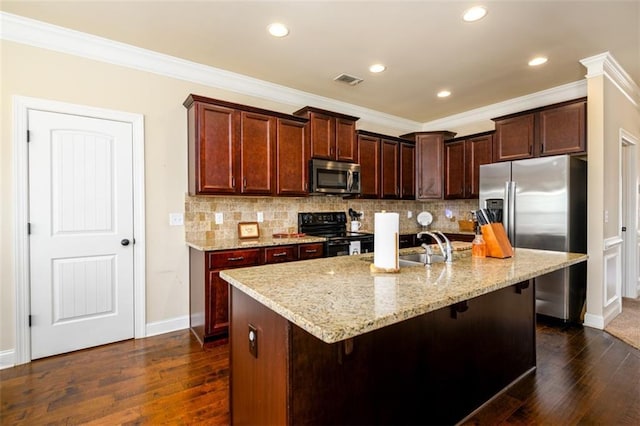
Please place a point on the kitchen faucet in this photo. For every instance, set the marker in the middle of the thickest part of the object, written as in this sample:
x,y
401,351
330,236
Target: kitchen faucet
x,y
446,249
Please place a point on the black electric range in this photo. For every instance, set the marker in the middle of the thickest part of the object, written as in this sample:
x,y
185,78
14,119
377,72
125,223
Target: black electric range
x,y
334,227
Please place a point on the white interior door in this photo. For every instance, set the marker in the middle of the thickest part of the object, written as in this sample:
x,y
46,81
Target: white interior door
x,y
81,232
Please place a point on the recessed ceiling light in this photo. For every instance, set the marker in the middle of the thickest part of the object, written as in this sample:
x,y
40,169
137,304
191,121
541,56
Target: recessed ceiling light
x,y
444,93
278,30
375,68
538,60
474,14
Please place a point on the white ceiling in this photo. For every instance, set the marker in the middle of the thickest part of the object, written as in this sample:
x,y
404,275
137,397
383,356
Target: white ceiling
x,y
425,44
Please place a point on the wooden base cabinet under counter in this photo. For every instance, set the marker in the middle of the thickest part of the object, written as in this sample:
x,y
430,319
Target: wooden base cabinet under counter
x,y
208,293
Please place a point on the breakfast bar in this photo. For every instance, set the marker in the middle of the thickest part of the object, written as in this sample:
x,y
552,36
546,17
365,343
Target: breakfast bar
x,y
327,341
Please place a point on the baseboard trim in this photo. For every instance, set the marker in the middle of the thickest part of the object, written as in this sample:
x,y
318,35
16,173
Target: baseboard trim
x,y
594,321
7,359
167,326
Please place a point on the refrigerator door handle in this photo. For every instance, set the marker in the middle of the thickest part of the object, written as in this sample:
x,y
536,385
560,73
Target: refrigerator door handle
x,y
511,211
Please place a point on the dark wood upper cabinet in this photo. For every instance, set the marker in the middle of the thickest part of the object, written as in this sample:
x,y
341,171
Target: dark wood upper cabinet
x,y
332,135
478,151
387,166
390,169
562,130
514,138
257,148
292,159
463,158
233,149
369,160
407,171
454,176
212,137
429,162
551,130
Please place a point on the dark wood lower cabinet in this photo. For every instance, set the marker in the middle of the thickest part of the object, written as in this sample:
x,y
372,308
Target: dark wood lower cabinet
x,y
433,369
209,294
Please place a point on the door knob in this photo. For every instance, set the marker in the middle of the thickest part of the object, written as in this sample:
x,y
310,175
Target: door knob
x,y
124,242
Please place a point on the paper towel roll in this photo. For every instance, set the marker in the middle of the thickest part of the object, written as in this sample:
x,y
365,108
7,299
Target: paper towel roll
x,y
385,243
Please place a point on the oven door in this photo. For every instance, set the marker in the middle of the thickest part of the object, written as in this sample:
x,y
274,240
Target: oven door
x,y
336,248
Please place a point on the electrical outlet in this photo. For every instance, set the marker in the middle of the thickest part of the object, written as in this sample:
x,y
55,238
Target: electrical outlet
x,y
361,214
260,217
176,219
606,216
219,219
409,214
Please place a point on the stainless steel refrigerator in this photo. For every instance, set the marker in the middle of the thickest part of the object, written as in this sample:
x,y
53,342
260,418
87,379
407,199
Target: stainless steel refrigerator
x,y
542,203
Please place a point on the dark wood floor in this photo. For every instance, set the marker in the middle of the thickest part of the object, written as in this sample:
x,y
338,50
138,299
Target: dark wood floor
x,y
584,376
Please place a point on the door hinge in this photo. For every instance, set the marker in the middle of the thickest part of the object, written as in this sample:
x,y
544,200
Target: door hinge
x,y
624,229
28,228
28,136
29,320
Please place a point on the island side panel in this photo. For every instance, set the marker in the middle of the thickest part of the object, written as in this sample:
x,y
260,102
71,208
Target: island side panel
x,y
258,388
435,368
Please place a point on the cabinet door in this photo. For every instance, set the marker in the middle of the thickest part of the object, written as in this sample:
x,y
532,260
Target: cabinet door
x,y
478,151
322,135
257,146
211,149
407,171
389,170
429,162
369,159
454,161
562,130
514,138
346,141
292,159
217,305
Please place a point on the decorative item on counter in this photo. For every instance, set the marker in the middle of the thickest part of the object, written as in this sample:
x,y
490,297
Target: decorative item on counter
x,y
478,246
248,230
424,218
466,225
498,244
385,243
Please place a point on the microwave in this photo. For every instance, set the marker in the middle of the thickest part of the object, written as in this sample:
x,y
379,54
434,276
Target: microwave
x,y
334,177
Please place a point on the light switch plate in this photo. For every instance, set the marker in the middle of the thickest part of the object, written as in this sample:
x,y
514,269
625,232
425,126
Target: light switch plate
x,y
176,219
219,219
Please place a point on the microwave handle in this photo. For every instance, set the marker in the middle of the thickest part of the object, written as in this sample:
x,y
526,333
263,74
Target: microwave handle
x,y
349,180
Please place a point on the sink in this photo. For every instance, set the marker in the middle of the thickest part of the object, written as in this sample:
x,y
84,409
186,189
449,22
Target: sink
x,y
416,259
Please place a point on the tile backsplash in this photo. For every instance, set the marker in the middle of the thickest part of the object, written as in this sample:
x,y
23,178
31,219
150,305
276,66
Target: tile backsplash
x,y
281,213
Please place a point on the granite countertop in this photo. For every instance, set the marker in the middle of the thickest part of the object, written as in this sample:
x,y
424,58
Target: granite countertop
x,y
236,243
337,298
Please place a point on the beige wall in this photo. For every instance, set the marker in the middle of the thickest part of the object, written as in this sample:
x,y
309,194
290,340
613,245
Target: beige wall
x,y
39,73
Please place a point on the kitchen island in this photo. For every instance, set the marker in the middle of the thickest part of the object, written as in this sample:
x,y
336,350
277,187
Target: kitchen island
x,y
326,341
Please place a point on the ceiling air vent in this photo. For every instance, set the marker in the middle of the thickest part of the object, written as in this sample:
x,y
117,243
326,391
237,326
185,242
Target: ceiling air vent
x,y
349,79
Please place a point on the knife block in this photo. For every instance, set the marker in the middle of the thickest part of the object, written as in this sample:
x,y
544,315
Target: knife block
x,y
498,244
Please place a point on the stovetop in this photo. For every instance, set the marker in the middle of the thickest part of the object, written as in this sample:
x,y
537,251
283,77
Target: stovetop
x,y
332,225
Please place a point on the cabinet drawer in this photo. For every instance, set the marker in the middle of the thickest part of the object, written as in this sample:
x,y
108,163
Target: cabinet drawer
x,y
310,251
279,254
233,258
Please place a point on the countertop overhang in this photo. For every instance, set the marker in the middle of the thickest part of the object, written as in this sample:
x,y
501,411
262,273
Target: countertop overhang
x,y
338,298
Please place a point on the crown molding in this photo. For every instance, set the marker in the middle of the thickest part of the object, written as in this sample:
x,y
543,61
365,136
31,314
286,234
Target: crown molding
x,y
52,37
554,95
605,64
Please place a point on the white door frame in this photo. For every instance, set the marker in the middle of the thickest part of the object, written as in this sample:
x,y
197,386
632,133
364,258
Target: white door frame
x,y
21,107
629,145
